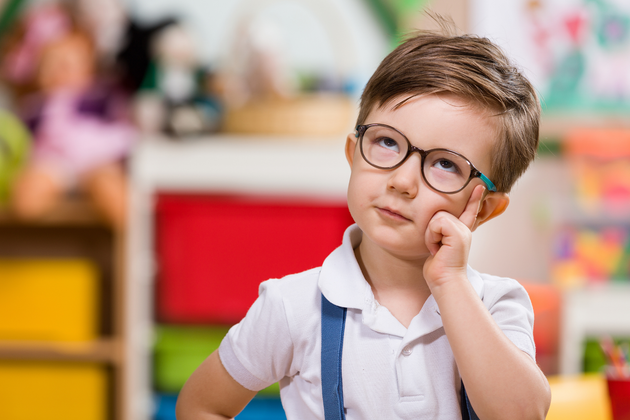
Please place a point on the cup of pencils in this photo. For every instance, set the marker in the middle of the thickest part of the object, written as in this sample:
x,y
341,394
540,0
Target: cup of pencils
x,y
618,377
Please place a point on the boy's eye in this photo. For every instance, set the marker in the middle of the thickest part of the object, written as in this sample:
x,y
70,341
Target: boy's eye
x,y
446,165
388,143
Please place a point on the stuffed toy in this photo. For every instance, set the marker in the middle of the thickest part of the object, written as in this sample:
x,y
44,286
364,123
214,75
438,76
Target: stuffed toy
x,y
176,87
80,124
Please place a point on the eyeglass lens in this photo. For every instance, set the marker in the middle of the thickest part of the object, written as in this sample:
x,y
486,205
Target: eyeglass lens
x,y
384,148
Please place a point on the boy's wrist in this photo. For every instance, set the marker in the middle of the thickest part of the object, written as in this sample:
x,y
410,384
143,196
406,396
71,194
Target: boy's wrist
x,y
450,287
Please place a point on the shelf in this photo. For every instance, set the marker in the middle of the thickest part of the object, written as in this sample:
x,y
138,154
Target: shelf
x,y
75,229
243,164
70,211
556,126
103,350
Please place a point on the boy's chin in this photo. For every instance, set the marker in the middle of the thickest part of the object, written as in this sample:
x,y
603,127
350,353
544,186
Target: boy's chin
x,y
418,254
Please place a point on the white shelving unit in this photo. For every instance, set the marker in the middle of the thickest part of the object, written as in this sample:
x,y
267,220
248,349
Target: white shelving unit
x,y
295,167
591,312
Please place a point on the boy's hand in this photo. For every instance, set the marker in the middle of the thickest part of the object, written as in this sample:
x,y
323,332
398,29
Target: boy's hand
x,y
448,239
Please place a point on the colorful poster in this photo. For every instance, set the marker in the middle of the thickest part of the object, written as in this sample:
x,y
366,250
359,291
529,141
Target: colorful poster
x,y
591,255
576,52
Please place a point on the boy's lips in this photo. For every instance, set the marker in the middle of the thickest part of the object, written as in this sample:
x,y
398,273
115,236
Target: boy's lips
x,y
392,213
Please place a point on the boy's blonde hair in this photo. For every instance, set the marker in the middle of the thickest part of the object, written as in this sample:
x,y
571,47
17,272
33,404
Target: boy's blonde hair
x,y
473,68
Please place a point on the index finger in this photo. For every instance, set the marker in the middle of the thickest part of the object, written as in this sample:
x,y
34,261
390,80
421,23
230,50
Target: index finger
x,y
469,215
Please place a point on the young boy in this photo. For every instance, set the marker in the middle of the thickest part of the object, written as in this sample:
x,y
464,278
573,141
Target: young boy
x,y
420,325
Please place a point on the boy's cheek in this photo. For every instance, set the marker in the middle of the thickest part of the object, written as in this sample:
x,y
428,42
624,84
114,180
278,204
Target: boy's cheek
x,y
453,208
457,206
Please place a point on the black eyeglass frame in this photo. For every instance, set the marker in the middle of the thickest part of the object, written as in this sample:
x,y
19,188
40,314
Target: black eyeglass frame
x,y
474,172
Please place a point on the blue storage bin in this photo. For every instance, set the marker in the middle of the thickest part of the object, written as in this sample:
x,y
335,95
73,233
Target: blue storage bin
x,y
164,406
260,408
263,408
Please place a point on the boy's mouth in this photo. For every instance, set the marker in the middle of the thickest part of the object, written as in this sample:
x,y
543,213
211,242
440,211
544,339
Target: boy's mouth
x,y
393,214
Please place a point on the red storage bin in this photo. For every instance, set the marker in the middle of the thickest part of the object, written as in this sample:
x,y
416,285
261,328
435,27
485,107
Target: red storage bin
x,y
547,303
214,250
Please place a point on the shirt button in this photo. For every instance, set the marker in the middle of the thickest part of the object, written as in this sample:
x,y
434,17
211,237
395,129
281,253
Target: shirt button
x,y
407,351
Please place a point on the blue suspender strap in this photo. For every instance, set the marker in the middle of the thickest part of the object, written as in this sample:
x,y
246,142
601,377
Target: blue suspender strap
x,y
467,411
333,326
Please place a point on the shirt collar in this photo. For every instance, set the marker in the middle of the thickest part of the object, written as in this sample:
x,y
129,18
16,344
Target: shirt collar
x,y
343,284
341,279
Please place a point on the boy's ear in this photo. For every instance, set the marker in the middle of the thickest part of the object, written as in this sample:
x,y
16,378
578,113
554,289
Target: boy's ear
x,y
492,205
351,145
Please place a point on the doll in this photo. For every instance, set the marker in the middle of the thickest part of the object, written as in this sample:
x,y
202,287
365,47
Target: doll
x,y
80,129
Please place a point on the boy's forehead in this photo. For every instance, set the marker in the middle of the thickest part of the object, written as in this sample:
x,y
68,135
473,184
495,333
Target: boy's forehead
x,y
465,104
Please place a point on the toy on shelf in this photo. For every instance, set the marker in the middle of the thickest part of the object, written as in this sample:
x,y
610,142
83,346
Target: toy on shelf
x,y
176,93
80,123
173,92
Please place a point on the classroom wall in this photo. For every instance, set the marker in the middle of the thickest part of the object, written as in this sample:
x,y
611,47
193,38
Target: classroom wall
x,y
325,35
517,243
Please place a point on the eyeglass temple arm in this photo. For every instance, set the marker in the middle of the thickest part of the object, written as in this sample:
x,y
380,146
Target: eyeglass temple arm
x,y
488,183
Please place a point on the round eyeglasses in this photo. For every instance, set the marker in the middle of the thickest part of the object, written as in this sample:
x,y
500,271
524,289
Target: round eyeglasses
x,y
445,171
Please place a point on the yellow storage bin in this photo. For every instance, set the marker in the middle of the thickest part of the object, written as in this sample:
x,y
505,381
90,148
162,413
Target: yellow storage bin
x,y
579,397
49,300
53,391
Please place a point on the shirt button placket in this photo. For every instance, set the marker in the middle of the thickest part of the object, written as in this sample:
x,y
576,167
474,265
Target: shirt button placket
x,y
410,384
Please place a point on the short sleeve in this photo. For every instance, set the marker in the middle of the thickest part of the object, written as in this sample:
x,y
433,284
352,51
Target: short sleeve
x,y
257,351
511,308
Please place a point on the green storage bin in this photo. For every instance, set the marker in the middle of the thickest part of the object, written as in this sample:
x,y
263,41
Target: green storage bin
x,y
179,350
594,358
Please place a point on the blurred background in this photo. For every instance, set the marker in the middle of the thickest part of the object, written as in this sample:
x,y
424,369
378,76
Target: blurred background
x,y
160,158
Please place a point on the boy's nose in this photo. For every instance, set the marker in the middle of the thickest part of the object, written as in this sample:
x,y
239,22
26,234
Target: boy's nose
x,y
407,178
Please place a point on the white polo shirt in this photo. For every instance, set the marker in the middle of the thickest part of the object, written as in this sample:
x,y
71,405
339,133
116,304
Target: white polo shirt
x,y
389,371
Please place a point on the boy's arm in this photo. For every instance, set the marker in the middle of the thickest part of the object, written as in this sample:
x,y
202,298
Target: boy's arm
x,y
502,382
212,393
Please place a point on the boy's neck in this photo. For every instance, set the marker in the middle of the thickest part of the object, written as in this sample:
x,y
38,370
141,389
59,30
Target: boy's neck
x,y
397,284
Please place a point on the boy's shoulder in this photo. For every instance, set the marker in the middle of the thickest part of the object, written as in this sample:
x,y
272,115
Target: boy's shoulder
x,y
294,301
292,289
492,288
291,280
494,280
